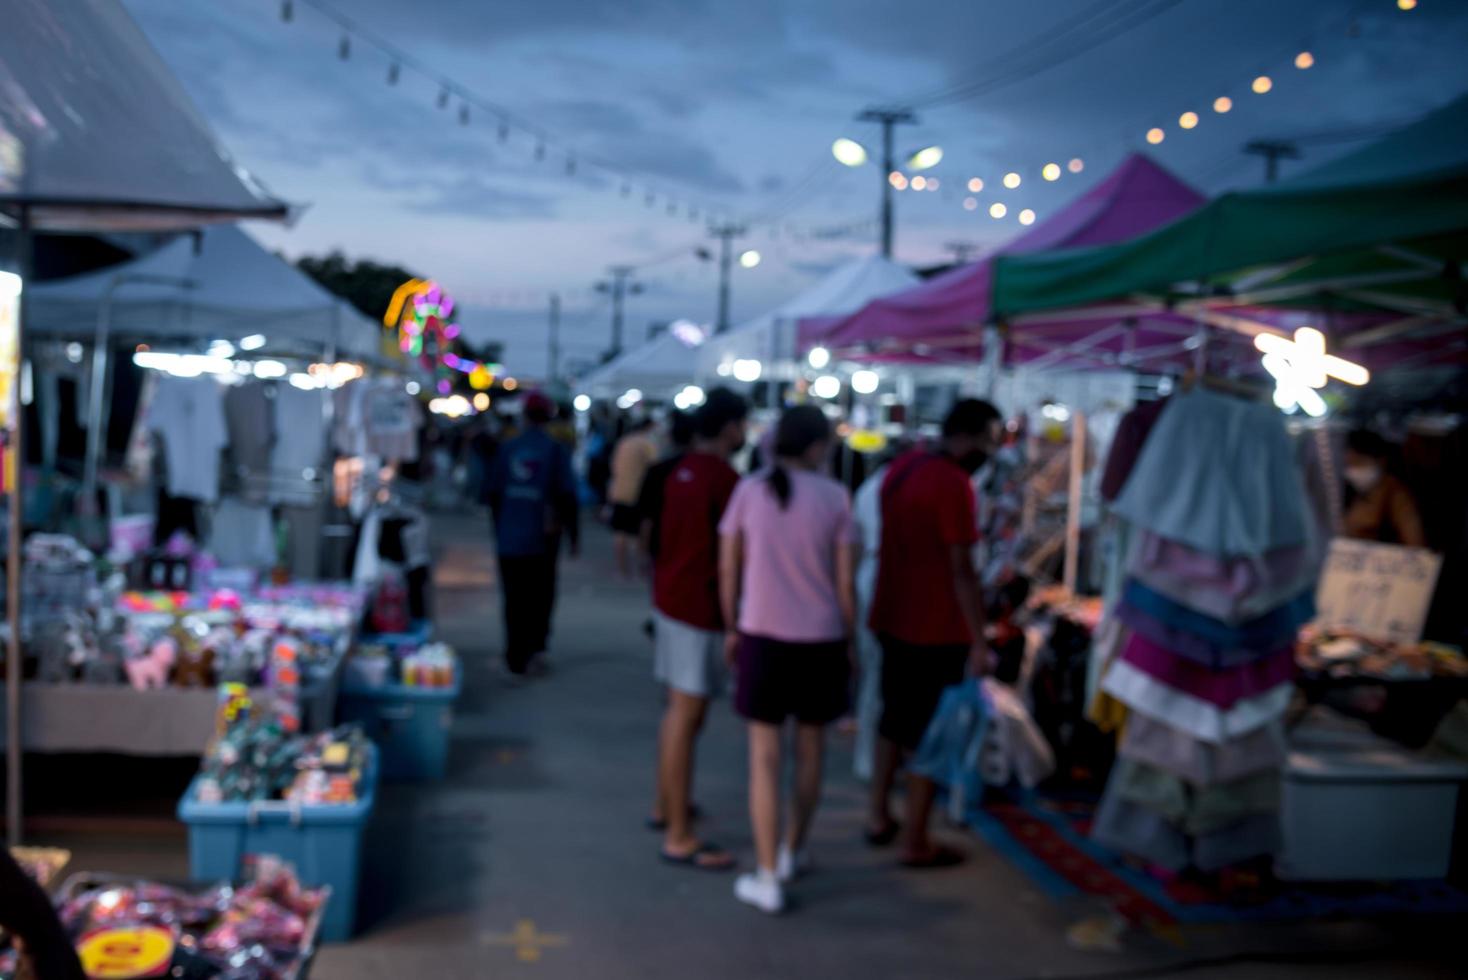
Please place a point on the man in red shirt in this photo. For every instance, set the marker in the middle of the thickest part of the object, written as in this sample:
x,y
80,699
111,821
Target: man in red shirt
x,y
927,612
689,624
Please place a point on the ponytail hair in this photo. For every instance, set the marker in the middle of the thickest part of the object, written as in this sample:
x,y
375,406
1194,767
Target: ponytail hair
x,y
800,428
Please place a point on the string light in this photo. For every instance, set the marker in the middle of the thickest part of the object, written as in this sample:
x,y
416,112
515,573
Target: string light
x,y
504,131
1011,180
463,115
1027,217
1406,4
998,210
570,166
287,11
1155,135
1222,104
344,49
1188,120
897,180
443,97
393,71
975,184
1051,171
1076,165
970,204
932,183
919,182
1304,60
539,152
1262,84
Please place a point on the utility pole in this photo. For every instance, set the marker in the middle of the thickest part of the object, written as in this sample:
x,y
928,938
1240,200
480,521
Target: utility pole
x,y
889,119
961,250
553,356
1273,151
726,235
619,287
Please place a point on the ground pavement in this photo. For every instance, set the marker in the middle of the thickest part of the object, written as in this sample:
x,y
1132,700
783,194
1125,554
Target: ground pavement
x,y
531,859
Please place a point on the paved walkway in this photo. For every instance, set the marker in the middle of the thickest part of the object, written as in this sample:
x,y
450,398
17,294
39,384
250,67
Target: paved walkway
x,y
531,859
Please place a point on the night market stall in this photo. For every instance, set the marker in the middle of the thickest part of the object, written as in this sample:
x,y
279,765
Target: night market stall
x,y
1229,519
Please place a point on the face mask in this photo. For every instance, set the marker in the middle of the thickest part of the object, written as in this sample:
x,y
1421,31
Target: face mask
x,y
1363,478
971,461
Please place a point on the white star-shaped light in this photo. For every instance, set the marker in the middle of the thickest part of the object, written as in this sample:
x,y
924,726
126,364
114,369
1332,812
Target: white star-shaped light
x,y
1300,366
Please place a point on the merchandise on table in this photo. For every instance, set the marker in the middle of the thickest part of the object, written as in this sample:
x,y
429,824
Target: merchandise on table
x,y
379,664
264,929
1344,655
256,760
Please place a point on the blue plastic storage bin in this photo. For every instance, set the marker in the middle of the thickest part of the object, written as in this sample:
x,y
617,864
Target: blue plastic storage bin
x,y
323,842
409,725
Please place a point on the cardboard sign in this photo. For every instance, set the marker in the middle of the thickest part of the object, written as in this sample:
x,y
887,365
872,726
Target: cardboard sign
x,y
1381,591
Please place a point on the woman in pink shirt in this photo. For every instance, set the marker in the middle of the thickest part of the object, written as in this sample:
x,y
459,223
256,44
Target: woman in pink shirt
x,y
787,551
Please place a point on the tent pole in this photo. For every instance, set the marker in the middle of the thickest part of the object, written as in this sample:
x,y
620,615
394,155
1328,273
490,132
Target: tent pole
x,y
1073,504
101,352
15,465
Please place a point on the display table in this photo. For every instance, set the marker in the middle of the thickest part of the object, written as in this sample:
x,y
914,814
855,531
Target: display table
x,y
1359,807
169,721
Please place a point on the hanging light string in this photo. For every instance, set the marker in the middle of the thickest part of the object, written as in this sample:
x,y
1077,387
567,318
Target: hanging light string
x,y
1301,57
472,104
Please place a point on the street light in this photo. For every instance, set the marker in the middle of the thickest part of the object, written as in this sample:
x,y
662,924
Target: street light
x,y
850,153
749,259
818,358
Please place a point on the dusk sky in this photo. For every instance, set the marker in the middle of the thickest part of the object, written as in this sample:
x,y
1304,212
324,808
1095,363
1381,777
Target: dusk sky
x,y
733,107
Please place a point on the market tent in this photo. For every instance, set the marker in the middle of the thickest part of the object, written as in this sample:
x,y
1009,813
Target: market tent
x,y
1383,229
96,133
951,310
217,285
771,337
658,367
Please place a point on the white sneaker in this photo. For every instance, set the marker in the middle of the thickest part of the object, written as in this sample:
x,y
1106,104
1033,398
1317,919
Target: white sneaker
x,y
762,890
790,865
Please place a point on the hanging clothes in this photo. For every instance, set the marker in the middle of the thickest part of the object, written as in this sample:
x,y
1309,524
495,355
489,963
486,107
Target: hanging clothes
x,y
1218,474
188,416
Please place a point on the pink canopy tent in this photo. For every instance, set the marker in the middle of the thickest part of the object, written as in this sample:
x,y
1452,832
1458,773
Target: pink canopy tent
x,y
944,319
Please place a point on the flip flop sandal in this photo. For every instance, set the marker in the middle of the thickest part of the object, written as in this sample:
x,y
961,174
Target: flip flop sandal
x,y
705,850
942,857
883,837
695,812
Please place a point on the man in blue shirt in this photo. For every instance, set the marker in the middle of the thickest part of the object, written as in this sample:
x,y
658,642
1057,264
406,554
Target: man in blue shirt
x,y
532,493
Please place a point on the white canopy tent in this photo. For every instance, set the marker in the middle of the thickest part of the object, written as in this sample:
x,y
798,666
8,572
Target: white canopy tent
x,y
96,133
771,338
659,367
218,285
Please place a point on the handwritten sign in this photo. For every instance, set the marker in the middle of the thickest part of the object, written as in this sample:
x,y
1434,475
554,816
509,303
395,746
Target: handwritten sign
x,y
1381,591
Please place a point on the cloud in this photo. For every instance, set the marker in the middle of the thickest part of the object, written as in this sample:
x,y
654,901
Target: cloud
x,y
473,197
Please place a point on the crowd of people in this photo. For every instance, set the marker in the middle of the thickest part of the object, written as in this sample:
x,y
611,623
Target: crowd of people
x,y
776,583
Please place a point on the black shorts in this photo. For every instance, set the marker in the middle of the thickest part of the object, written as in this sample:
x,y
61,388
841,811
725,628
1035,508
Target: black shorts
x,y
811,681
626,519
914,677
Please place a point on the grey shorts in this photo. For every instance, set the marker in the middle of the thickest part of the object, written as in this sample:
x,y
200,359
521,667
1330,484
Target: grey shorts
x,y
687,658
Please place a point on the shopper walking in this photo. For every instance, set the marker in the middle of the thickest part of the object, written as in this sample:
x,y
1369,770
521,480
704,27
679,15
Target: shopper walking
x,y
787,570
927,612
634,455
866,510
532,494
689,625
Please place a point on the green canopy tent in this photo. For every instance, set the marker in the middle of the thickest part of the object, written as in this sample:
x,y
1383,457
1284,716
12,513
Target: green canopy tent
x,y
1381,231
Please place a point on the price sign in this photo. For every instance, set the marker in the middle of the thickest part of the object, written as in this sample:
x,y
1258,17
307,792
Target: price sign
x,y
1381,591
122,954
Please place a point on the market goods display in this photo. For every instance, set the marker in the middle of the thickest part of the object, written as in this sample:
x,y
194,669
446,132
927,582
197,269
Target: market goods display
x,y
263,929
257,760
